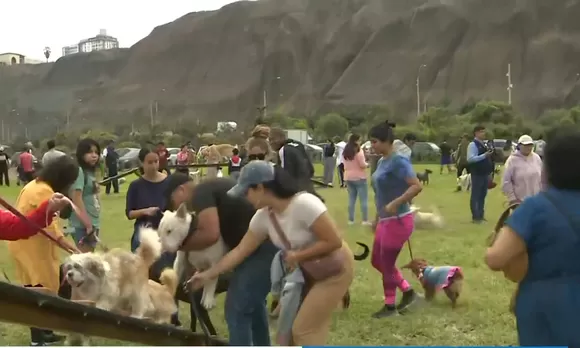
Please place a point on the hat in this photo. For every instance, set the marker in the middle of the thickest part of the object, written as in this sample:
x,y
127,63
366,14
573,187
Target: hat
x,y
525,140
173,182
253,173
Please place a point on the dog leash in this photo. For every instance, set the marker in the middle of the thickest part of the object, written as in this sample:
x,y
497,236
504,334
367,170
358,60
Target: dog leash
x,y
34,226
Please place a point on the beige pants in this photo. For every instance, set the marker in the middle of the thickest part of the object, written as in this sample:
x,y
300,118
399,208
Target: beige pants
x,y
312,323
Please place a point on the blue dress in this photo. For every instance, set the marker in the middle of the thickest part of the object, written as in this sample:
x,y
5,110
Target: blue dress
x,y
548,302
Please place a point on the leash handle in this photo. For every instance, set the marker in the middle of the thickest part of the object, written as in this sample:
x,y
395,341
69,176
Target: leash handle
x,y
33,225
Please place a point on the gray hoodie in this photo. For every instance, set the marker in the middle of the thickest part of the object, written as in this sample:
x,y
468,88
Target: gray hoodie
x,y
288,288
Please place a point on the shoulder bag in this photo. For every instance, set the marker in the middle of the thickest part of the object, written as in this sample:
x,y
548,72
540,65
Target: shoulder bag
x,y
317,269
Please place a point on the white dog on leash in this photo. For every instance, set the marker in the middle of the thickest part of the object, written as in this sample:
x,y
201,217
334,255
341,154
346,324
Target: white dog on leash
x,y
174,229
464,181
427,220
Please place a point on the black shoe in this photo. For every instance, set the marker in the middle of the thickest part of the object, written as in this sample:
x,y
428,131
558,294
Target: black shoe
x,y
386,311
52,338
409,298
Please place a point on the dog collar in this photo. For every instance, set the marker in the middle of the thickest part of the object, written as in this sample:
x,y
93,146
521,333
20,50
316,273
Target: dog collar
x,y
190,232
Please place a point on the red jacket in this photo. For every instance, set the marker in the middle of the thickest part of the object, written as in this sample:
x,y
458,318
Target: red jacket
x,y
13,228
163,157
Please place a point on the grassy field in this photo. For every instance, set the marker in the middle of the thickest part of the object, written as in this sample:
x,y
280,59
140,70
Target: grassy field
x,y
481,317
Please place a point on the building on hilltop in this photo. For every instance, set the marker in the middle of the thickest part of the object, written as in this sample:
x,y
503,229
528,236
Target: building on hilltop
x,y
10,58
97,43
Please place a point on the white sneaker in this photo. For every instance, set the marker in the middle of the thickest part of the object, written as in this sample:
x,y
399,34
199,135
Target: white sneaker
x,y
351,222
367,223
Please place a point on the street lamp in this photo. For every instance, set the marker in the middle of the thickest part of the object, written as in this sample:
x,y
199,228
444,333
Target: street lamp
x,y
419,89
510,85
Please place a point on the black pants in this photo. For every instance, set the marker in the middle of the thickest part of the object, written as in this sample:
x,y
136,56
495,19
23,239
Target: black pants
x,y
460,168
4,175
112,171
341,174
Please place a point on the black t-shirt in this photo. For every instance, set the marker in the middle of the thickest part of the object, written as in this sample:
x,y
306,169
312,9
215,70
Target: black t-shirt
x,y
445,149
234,213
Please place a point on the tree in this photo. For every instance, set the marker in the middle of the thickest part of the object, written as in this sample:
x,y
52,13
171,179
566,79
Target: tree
x,y
47,52
331,125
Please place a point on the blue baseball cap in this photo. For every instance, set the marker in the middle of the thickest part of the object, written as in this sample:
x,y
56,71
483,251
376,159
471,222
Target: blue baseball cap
x,y
253,173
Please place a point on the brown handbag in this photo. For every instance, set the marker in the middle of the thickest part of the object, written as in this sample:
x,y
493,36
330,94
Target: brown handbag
x,y
317,269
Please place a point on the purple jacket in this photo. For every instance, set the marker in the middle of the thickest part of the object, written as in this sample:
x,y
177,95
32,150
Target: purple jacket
x,y
522,177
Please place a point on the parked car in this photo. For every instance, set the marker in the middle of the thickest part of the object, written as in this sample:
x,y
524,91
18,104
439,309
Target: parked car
x,y
129,160
425,151
173,151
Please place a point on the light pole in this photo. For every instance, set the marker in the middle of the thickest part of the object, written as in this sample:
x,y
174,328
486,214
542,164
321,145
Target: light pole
x,y
264,106
510,85
419,89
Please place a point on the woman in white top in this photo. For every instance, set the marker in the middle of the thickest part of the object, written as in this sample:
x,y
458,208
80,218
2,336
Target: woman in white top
x,y
312,234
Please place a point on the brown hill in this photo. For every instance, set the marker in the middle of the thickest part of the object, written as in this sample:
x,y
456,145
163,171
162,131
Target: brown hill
x,y
310,53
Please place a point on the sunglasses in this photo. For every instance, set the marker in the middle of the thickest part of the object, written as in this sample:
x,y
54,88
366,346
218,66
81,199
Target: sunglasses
x,y
259,157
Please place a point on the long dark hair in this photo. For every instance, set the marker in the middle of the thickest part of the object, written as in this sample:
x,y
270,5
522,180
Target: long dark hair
x,y
142,154
351,148
84,147
59,174
383,132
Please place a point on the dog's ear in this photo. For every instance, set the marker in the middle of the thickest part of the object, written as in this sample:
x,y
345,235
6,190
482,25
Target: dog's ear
x,y
182,211
95,267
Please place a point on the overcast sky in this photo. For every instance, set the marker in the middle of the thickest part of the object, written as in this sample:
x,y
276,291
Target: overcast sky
x,y
28,26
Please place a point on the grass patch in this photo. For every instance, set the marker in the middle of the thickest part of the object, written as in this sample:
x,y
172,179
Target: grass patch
x,y
481,317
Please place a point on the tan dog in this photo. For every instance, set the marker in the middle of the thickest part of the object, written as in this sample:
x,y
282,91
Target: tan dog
x,y
448,278
162,297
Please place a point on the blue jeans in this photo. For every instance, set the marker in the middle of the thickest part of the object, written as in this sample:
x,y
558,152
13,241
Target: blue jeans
x,y
360,189
479,186
245,307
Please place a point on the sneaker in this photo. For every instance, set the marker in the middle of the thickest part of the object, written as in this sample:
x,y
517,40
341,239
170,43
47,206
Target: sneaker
x,y
38,344
386,311
351,222
409,298
367,223
52,338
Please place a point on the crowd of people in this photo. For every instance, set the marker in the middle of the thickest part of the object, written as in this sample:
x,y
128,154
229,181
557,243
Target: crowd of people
x,y
269,204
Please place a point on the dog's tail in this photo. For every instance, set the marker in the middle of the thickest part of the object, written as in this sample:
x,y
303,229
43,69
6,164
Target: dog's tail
x,y
364,254
150,248
168,279
437,217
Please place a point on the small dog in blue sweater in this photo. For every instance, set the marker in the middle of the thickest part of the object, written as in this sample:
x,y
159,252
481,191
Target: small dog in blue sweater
x,y
448,278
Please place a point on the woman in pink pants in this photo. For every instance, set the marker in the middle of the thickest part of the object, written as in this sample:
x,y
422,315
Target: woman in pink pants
x,y
395,185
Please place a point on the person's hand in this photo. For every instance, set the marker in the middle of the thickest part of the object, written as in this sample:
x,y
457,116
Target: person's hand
x,y
198,280
151,211
291,259
391,208
73,248
489,153
57,202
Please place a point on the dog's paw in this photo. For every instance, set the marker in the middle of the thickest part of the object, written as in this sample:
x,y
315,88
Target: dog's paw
x,y
208,302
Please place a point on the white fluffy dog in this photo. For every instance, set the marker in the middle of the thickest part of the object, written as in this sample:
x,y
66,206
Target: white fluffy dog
x,y
427,220
116,279
174,228
465,182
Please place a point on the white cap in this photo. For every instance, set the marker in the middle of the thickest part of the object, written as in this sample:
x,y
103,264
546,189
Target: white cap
x,y
525,140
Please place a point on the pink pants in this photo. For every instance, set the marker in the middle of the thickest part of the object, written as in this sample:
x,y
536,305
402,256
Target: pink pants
x,y
390,237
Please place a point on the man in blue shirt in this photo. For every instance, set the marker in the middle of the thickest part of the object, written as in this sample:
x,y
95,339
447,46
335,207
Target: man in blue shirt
x,y
480,166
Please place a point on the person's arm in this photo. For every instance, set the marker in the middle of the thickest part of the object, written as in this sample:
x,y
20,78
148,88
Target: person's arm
x,y
360,159
315,215
132,202
405,171
77,195
291,164
208,231
14,228
512,238
472,156
507,182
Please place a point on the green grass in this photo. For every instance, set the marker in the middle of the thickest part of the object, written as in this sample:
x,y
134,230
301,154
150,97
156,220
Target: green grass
x,y
481,318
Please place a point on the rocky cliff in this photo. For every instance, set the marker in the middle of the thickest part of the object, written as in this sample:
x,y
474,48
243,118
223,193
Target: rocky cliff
x,y
310,53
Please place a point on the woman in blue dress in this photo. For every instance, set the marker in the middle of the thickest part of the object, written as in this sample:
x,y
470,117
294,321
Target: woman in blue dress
x,y
547,227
